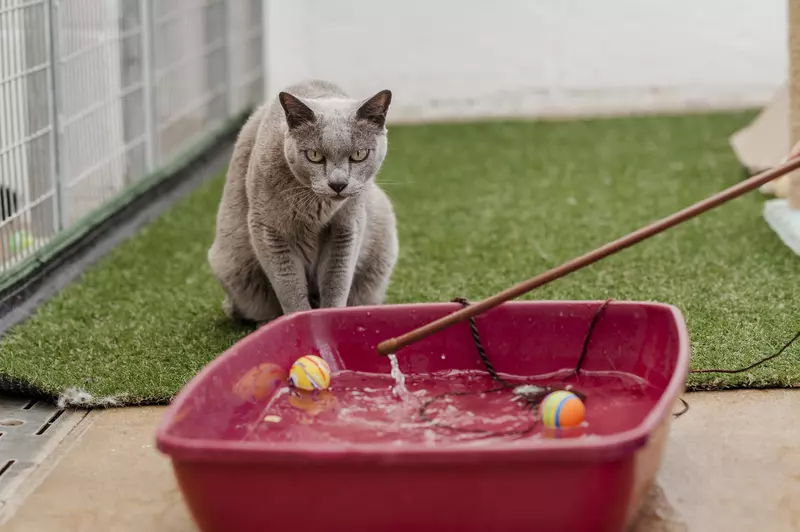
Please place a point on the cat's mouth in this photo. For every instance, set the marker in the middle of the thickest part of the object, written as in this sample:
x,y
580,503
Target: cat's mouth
x,y
338,196
333,197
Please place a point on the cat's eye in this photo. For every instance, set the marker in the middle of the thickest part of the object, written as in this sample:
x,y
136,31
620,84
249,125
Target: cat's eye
x,y
359,155
314,156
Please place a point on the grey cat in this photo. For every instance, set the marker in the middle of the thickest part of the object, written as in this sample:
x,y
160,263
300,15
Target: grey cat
x,y
302,223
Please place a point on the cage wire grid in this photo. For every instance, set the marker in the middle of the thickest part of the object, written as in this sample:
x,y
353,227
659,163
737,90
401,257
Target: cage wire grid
x,y
96,95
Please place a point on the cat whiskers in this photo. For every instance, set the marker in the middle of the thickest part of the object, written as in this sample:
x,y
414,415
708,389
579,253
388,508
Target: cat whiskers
x,y
291,192
298,196
303,200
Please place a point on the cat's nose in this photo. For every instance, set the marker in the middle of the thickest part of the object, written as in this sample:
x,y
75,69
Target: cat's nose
x,y
337,186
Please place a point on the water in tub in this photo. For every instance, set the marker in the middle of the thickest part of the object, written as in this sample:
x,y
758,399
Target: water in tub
x,y
363,409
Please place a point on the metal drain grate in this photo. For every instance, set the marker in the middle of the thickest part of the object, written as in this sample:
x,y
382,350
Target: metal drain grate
x,y
29,430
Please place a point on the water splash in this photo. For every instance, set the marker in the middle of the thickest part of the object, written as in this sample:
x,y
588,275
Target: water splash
x,y
363,409
399,389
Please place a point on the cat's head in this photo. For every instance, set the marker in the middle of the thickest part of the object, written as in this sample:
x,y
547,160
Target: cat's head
x,y
335,146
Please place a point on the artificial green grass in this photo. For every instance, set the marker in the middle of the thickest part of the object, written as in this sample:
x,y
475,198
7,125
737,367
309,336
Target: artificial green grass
x,y
480,206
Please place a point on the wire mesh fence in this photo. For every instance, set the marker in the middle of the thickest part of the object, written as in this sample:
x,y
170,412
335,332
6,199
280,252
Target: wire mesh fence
x,y
95,95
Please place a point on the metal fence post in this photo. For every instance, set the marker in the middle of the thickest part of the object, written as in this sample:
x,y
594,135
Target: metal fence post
x,y
54,101
230,89
148,82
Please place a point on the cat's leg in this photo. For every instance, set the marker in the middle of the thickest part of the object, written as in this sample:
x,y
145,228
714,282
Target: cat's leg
x,y
248,295
370,284
378,253
374,271
284,268
337,263
230,310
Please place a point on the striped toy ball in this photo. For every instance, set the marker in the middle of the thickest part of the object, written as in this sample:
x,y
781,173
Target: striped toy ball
x,y
562,409
310,373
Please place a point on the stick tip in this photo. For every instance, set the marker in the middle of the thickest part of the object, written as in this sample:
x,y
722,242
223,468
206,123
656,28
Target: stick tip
x,y
387,347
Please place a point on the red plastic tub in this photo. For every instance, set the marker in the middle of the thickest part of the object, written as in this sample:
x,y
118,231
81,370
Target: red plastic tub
x,y
240,473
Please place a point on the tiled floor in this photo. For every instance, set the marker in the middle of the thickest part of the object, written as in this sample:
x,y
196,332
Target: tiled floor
x,y
732,464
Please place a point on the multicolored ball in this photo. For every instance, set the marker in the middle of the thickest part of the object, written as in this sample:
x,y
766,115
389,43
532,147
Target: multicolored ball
x,y
310,373
562,409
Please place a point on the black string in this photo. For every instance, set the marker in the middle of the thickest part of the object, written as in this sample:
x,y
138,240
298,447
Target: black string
x,y
739,370
685,408
531,401
504,385
589,334
476,337
753,365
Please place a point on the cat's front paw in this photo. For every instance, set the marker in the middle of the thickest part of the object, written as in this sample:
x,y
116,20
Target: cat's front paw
x,y
297,307
333,302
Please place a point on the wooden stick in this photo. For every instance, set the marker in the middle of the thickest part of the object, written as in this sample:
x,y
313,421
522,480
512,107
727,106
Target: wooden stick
x,y
393,345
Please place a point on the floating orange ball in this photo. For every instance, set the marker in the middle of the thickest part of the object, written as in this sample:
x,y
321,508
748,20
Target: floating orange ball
x,y
260,382
562,409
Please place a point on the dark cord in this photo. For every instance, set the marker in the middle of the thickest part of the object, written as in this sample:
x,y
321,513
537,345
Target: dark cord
x,y
740,370
685,408
589,334
476,337
531,401
753,365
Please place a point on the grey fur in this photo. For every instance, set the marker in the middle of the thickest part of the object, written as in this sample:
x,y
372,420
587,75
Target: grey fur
x,y
293,234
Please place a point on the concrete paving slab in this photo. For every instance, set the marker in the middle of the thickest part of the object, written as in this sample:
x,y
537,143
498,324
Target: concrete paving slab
x,y
732,463
110,479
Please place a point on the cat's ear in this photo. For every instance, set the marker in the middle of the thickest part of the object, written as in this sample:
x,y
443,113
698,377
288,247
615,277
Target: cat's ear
x,y
375,108
297,113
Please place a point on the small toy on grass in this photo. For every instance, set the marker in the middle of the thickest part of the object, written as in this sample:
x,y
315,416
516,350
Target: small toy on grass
x,y
310,373
562,409
20,241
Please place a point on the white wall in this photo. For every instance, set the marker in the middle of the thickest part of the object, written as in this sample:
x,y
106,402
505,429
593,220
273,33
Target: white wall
x,y
458,58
